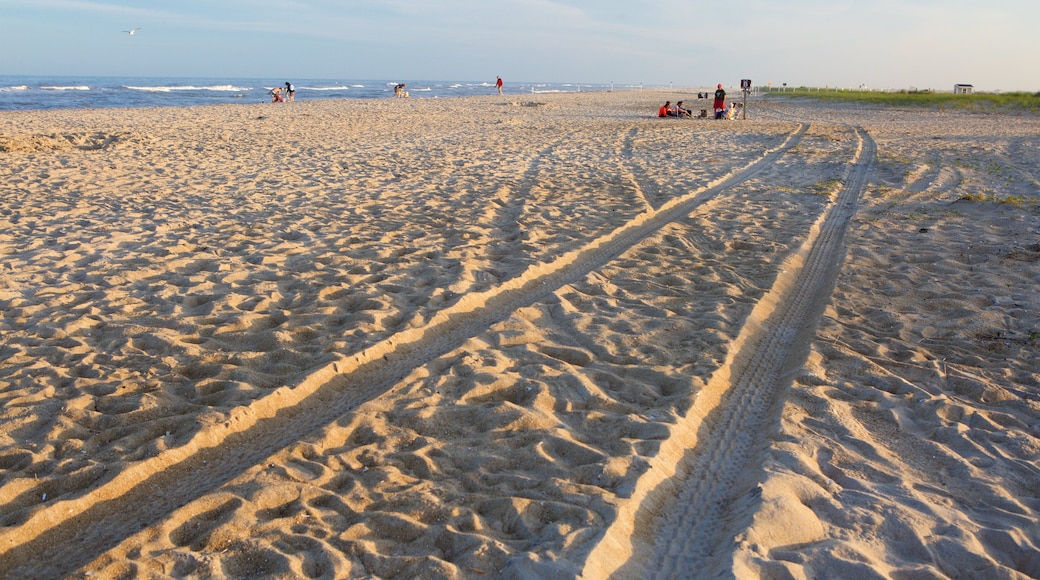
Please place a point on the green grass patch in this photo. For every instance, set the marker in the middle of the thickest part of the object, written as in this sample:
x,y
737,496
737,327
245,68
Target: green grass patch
x,y
927,99
830,188
989,197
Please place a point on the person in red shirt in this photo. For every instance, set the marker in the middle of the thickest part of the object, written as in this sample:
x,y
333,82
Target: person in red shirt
x,y
666,110
498,85
720,102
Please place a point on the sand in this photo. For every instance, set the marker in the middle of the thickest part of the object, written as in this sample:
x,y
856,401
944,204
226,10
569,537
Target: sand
x,y
519,336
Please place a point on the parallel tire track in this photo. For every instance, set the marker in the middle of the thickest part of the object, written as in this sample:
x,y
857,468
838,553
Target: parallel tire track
x,y
647,189
69,533
693,531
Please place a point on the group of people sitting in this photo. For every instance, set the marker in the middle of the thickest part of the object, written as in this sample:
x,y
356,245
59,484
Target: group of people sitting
x,y
667,110
719,104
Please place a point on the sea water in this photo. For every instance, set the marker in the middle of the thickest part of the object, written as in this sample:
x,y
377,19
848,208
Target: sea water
x,y
39,92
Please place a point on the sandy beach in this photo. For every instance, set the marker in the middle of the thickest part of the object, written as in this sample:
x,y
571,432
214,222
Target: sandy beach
x,y
537,336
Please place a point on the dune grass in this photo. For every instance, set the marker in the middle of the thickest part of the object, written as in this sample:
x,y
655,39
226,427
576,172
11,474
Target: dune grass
x,y
1017,101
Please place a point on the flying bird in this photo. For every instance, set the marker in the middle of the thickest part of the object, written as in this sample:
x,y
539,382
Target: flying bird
x,y
132,30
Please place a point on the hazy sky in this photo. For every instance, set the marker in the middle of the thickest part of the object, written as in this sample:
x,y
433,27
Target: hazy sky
x,y
993,44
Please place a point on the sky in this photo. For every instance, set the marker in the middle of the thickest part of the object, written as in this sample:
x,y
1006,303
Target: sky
x,y
877,44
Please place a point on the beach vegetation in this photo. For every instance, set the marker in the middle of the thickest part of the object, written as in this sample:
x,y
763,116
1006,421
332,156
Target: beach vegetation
x,y
1012,200
887,159
1013,101
828,187
889,192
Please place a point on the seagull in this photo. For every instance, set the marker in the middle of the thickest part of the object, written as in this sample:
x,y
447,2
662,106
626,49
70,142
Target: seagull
x,y
132,30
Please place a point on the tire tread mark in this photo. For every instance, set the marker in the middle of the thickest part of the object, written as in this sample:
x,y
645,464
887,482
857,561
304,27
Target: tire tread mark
x,y
68,533
694,528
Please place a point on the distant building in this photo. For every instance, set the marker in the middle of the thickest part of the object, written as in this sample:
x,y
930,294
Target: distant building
x,y
962,89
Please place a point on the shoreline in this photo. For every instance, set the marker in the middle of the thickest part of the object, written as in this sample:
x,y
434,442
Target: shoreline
x,y
31,93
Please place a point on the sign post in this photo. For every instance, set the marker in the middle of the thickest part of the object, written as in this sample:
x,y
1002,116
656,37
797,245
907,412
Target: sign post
x,y
745,85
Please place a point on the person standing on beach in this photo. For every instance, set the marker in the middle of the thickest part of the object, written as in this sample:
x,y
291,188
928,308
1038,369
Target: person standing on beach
x,y
498,85
720,102
290,92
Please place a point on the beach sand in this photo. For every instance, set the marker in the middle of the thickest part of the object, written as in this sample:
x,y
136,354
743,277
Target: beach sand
x,y
519,336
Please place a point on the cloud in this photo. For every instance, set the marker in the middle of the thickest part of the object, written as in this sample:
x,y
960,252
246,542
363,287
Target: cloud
x,y
843,42
82,6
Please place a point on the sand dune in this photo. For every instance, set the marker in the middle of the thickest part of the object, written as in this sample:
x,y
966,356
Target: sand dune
x,y
496,337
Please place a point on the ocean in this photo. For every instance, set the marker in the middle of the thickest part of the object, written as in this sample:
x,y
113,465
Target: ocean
x,y
19,93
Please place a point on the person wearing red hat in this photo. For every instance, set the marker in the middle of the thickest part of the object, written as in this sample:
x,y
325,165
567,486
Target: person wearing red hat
x,y
720,102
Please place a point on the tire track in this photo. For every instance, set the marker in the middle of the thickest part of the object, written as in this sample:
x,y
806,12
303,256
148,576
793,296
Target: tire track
x,y
68,533
684,517
646,188
504,212
1016,152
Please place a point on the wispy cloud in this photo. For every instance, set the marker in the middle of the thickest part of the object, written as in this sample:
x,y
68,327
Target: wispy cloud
x,y
80,5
